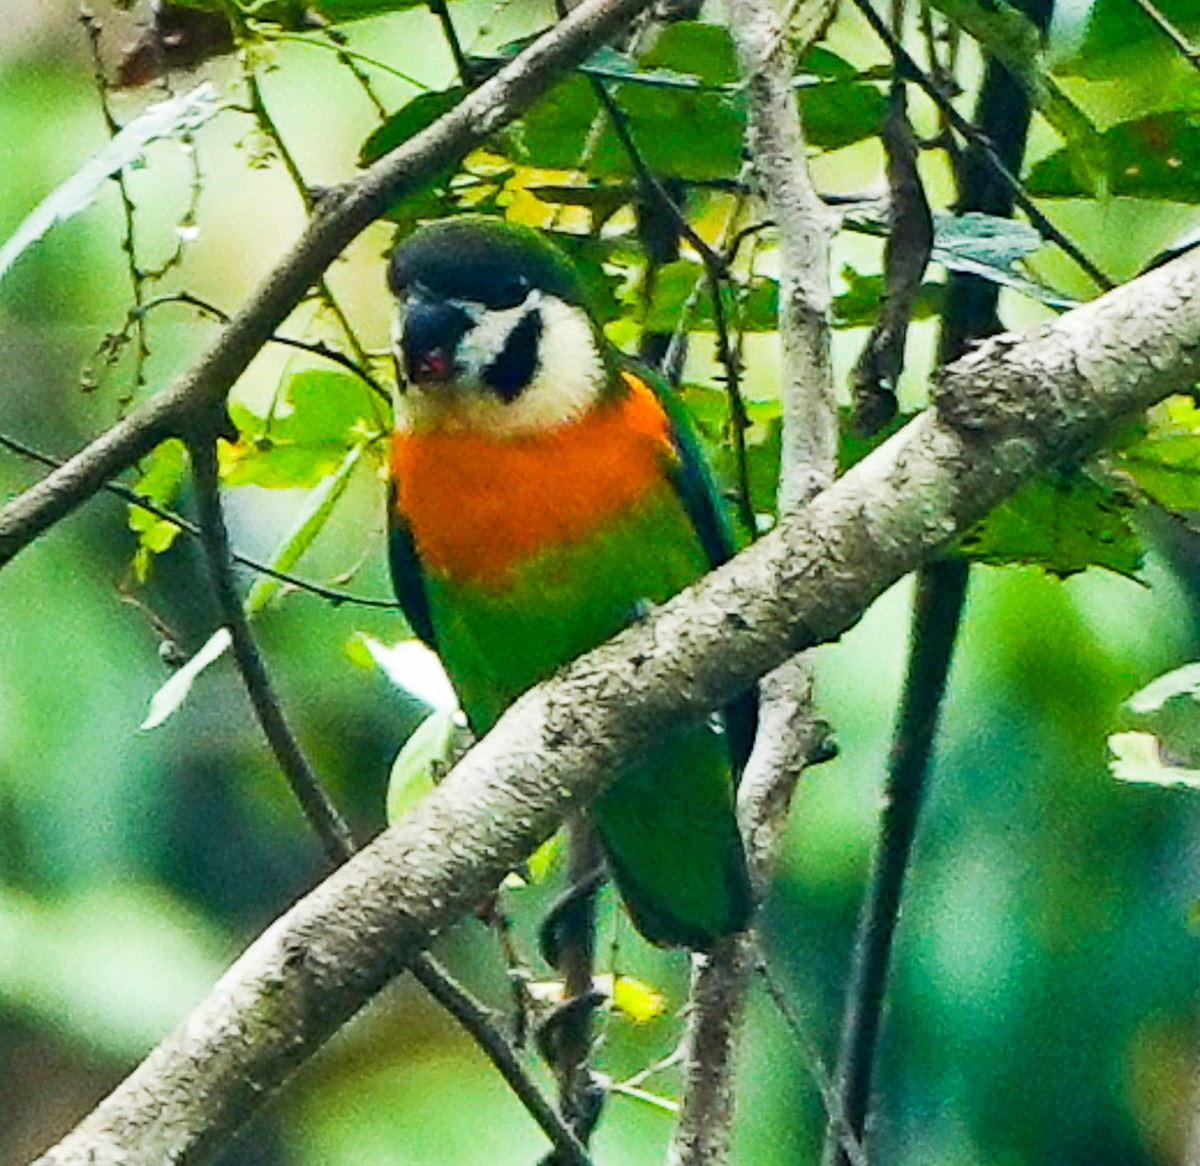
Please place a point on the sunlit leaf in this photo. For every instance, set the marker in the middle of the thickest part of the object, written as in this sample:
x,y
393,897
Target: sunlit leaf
x,y
425,759
633,998
318,416
164,119
1137,757
1165,462
162,473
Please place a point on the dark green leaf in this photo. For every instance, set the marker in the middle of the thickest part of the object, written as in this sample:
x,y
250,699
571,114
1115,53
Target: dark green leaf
x,y
839,113
1121,39
408,121
1062,524
1156,157
705,51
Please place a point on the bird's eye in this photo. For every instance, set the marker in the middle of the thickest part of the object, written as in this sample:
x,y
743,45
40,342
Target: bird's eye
x,y
512,291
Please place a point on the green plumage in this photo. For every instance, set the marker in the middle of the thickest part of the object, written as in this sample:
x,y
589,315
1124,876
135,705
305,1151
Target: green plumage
x,y
493,331
667,822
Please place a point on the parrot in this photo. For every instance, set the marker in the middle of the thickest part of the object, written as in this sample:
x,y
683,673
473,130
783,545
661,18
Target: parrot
x,y
544,492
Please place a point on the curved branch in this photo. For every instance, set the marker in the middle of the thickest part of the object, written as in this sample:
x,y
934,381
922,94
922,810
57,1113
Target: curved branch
x,y
1006,410
340,216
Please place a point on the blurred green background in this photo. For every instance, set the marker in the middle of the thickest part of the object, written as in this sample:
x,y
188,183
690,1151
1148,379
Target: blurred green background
x,y
1044,998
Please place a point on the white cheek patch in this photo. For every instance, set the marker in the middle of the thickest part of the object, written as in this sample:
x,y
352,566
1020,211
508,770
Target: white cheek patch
x,y
489,333
568,381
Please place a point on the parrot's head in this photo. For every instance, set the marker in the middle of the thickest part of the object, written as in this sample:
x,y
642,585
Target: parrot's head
x,y
491,332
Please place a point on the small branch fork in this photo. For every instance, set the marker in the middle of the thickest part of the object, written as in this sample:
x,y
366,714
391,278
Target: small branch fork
x,y
322,815
133,498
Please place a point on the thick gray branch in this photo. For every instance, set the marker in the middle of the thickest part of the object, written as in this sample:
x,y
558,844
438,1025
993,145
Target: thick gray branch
x,y
340,217
1019,404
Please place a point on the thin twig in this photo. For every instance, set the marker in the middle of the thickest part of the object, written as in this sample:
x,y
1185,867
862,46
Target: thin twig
x,y
322,815
481,1024
314,347
332,830
941,589
266,123
717,270
462,63
809,1049
910,70
133,498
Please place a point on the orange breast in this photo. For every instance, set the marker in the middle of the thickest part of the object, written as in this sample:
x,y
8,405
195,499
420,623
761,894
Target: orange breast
x,y
477,505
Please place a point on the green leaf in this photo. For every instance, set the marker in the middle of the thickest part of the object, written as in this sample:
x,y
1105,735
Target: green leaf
x,y
704,51
162,474
318,506
408,121
757,308
164,119
426,757
1062,524
1120,39
1137,757
840,113
318,416
1155,157
1165,463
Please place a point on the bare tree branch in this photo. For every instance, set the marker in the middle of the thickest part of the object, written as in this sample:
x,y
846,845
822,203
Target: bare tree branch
x,y
323,816
340,216
1008,409
788,736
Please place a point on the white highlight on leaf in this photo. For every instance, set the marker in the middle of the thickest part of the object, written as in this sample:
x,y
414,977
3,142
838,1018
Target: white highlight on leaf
x,y
161,120
172,694
410,665
1138,757
1183,681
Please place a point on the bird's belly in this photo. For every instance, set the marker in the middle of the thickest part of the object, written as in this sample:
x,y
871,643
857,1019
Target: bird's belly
x,y
558,603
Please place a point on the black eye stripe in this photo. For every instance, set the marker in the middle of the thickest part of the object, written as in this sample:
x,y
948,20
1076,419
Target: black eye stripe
x,y
516,363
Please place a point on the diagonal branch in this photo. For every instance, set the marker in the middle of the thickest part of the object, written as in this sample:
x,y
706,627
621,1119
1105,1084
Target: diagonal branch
x,y
323,816
339,218
1007,410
